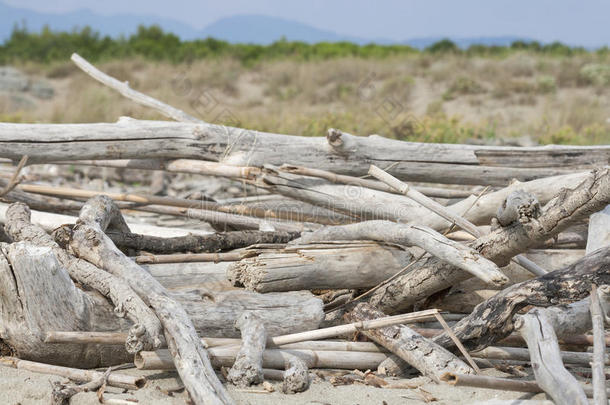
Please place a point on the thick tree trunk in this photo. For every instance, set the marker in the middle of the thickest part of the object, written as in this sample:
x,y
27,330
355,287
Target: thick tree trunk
x,y
340,152
147,332
37,295
319,266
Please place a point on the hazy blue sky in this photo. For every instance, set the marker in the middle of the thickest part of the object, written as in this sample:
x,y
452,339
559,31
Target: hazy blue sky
x,y
584,22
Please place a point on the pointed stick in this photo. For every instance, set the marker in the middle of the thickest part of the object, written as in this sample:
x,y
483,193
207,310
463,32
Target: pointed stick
x,y
435,207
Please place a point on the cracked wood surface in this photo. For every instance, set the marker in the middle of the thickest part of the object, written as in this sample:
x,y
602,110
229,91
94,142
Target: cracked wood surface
x,y
431,275
340,152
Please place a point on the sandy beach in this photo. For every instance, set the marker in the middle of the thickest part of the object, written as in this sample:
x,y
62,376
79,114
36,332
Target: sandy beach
x,y
28,388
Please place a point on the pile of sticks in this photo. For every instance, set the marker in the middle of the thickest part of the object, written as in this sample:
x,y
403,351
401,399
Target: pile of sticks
x,y
440,278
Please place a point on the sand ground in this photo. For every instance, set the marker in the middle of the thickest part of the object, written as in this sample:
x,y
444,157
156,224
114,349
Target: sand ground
x,y
28,388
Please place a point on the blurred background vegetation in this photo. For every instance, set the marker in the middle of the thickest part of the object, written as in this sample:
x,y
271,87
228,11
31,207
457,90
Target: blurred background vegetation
x,y
526,93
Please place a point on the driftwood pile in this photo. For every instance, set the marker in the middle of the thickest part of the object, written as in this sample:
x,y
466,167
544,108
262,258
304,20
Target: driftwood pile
x,y
340,262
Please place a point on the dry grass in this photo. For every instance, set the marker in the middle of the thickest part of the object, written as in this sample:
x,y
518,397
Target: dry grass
x,y
450,98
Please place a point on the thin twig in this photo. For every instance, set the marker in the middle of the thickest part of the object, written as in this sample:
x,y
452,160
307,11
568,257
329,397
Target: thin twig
x,y
16,179
457,342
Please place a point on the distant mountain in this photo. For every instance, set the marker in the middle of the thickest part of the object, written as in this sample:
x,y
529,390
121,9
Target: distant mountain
x,y
261,29
115,25
256,29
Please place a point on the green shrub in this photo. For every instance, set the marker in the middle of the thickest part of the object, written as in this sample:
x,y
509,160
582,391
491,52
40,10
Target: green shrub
x,y
153,43
596,73
463,86
443,46
546,84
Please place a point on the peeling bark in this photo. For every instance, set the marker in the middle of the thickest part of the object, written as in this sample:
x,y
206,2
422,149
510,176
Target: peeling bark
x,y
492,320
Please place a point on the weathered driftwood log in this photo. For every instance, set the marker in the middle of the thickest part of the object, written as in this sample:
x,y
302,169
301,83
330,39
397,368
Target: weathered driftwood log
x,y
61,393
438,209
126,91
422,200
599,230
248,366
214,313
36,295
216,242
481,209
505,384
463,297
354,201
222,221
146,333
599,347
34,277
119,380
224,356
144,199
492,319
319,266
340,152
432,274
290,207
117,338
409,235
372,184
549,370
89,241
519,206
193,257
421,353
49,222
296,376
180,276
477,209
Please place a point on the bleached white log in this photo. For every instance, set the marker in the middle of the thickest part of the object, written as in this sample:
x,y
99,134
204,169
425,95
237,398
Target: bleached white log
x,y
423,354
248,366
600,396
125,90
434,163
272,358
408,235
49,222
599,230
146,333
193,365
321,266
481,209
548,368
432,275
